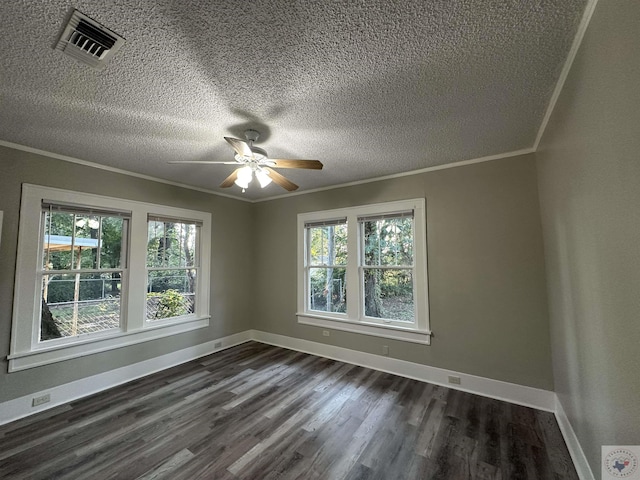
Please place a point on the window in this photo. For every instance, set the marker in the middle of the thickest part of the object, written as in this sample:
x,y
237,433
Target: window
x,y
172,267
96,273
83,262
386,266
326,265
363,269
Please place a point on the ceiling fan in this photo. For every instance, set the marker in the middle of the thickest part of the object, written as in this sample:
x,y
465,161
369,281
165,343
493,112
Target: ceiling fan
x,y
253,160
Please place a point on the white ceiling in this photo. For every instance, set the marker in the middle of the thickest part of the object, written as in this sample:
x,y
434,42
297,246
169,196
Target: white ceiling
x,y
370,88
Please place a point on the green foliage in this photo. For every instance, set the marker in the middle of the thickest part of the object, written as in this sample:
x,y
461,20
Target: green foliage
x,y
171,303
328,292
328,245
93,286
170,244
394,283
389,242
62,290
180,280
111,250
82,226
328,251
388,259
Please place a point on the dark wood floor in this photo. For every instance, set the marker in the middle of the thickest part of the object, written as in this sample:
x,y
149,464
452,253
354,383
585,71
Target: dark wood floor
x,y
261,412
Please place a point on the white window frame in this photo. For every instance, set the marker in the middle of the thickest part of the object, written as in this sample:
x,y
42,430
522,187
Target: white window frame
x,y
27,351
354,319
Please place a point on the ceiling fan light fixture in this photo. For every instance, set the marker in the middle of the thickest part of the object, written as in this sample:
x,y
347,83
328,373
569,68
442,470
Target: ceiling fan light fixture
x,y
263,177
245,175
242,183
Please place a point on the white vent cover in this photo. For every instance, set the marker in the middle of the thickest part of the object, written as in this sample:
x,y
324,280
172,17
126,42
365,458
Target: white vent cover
x,y
89,42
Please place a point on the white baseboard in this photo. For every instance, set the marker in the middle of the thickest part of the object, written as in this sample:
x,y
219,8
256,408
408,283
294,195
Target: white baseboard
x,y
21,407
570,438
509,392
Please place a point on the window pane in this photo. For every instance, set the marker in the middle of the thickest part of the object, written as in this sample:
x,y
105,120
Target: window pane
x,y
63,252
327,290
111,242
388,293
328,245
388,242
171,293
86,241
171,244
57,240
74,304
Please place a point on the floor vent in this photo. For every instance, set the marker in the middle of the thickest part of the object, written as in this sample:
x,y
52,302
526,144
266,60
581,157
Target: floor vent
x,y
89,42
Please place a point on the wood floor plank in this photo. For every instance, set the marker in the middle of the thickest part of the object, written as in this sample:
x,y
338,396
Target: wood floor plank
x,y
167,468
277,436
259,412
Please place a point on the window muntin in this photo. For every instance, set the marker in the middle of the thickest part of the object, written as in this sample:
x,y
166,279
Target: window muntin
x,y
393,254
326,265
172,267
386,266
82,271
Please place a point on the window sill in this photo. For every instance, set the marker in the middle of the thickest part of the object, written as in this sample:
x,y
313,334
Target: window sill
x,y
375,330
59,353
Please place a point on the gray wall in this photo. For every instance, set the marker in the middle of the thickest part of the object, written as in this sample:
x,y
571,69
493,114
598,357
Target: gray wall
x,y
231,242
589,179
486,269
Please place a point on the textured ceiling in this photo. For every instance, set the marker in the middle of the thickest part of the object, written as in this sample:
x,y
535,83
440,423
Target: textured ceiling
x,y
370,88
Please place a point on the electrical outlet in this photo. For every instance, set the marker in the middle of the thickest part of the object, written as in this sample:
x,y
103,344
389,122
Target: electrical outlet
x,y
42,399
325,333
217,345
385,349
454,380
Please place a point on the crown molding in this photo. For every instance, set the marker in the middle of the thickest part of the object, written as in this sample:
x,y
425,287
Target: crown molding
x,y
445,166
86,163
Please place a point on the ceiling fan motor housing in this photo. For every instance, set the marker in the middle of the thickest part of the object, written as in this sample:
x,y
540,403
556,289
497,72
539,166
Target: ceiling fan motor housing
x,y
251,135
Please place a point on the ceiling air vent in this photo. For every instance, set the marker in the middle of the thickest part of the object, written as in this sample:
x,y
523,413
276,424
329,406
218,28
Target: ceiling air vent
x,y
89,42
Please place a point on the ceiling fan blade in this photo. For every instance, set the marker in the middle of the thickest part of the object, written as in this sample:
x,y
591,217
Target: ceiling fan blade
x,y
281,180
281,163
240,146
203,162
230,179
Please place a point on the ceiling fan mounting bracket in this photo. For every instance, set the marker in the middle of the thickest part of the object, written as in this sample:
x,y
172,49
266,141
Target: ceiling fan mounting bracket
x,y
251,135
